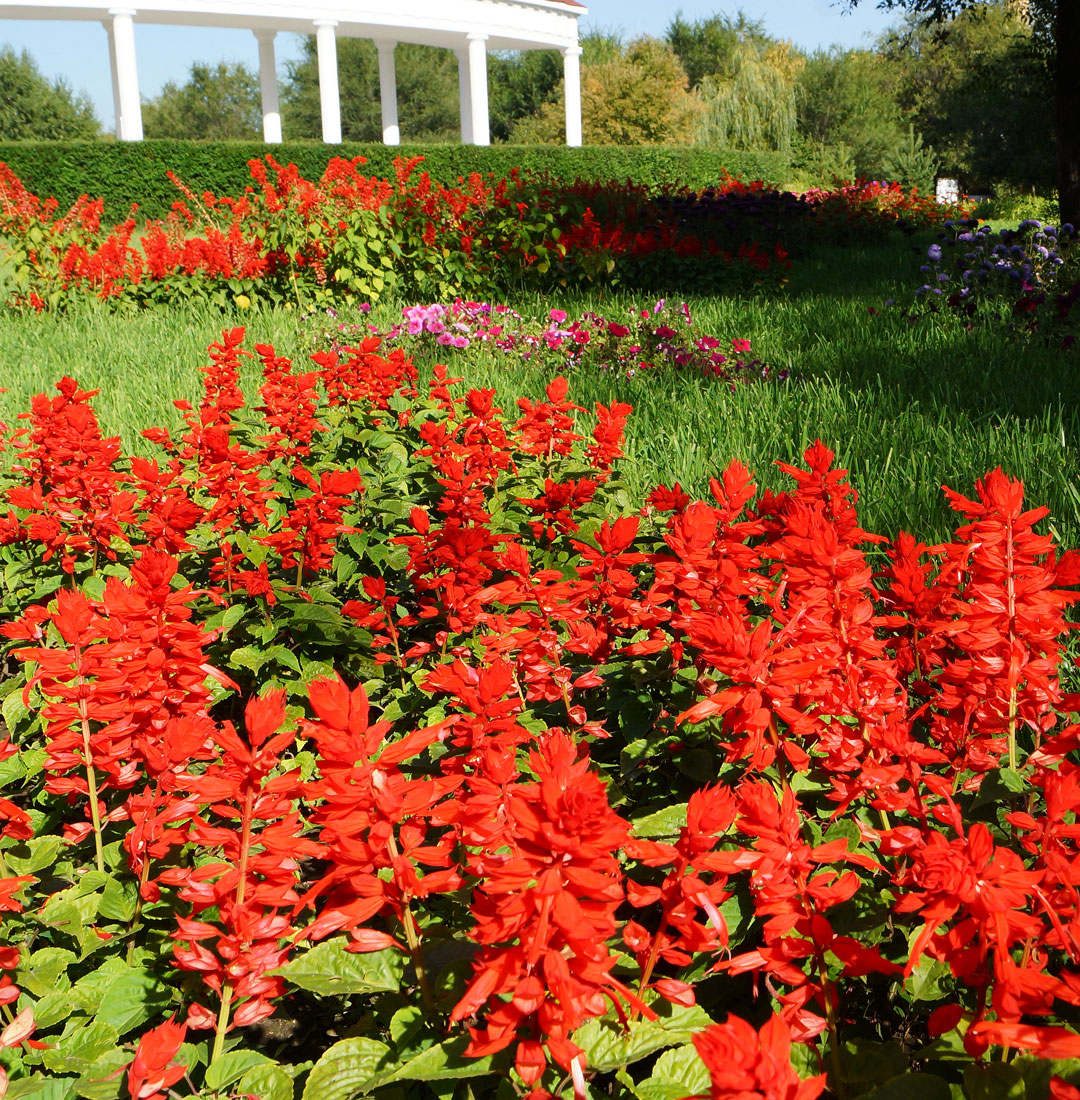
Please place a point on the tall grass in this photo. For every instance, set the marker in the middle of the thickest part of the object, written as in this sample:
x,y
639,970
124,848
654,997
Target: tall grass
x,y
908,405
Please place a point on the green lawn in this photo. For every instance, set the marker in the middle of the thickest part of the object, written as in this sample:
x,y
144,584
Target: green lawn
x,y
907,406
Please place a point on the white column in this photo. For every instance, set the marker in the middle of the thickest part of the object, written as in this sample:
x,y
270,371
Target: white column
x,y
391,133
125,74
271,111
465,103
107,24
572,84
329,96
478,89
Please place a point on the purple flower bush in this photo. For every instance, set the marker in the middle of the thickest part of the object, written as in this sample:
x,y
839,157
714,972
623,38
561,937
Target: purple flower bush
x,y
1026,278
644,340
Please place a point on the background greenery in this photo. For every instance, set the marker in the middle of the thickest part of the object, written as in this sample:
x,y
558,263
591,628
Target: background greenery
x,y
969,92
128,172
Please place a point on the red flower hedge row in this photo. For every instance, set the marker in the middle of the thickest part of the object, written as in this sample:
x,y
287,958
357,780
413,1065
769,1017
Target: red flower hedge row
x,y
288,239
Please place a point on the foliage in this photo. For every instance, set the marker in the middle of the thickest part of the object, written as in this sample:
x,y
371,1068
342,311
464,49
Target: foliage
x,y
977,89
427,92
221,103
911,163
600,774
520,82
755,107
707,47
33,109
843,103
639,97
137,172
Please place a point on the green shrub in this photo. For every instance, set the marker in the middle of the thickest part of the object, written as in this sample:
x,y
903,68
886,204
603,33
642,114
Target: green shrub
x,y
135,172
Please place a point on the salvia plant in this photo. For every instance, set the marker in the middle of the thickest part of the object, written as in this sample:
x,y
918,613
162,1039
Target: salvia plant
x,y
366,740
348,237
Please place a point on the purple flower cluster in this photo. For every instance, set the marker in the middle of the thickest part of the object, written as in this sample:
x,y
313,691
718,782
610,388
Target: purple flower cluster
x,y
645,340
975,268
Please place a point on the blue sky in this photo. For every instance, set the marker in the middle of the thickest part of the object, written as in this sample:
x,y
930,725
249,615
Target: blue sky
x,y
78,52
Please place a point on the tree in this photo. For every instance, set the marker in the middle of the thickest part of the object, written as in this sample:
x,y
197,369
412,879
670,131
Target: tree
x,y
520,83
634,95
427,91
707,47
754,107
976,88
32,108
844,102
1057,24
221,102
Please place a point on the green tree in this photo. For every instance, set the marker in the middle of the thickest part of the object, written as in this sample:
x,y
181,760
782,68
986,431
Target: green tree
x,y
755,106
427,91
708,47
519,83
844,101
1056,27
634,95
32,108
220,102
976,88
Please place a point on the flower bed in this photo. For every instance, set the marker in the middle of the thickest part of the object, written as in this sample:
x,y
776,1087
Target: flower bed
x,y
367,741
645,340
345,237
1024,279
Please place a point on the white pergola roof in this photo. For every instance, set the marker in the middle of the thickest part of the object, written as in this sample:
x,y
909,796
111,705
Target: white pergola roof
x,y
469,27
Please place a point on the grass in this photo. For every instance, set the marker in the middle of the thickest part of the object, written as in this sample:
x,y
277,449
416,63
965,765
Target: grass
x,y
907,405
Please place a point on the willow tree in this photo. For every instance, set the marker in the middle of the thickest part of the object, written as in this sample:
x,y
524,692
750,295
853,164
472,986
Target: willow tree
x,y
754,107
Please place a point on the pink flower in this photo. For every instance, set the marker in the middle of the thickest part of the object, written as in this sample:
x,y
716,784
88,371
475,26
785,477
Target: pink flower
x,y
558,315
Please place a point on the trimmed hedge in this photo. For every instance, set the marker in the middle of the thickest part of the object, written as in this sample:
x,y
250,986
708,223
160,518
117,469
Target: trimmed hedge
x,y
135,172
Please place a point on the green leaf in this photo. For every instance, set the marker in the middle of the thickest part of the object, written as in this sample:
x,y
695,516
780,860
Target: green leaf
x,y
132,999
87,993
404,1025
267,1083
46,971
677,1073
993,1081
608,1045
911,1086
118,900
862,1061
103,1080
53,1008
14,710
925,981
41,1088
329,970
347,1070
231,1066
663,823
31,856
443,1061
1038,1071
80,1047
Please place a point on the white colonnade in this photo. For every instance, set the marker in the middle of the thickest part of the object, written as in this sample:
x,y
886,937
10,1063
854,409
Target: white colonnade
x,y
470,28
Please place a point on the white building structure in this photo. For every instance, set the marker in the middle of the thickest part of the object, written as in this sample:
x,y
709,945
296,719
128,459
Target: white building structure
x,y
468,27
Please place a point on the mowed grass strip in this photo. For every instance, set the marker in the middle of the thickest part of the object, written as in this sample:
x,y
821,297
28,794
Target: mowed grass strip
x,y
908,405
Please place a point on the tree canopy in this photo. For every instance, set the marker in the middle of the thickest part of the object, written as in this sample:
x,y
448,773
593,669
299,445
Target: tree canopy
x,y
218,101
32,107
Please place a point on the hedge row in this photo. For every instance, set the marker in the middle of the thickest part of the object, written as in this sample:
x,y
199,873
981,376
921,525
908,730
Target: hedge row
x,y
129,172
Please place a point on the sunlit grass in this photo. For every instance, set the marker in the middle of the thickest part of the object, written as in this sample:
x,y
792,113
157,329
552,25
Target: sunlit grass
x,y
908,405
